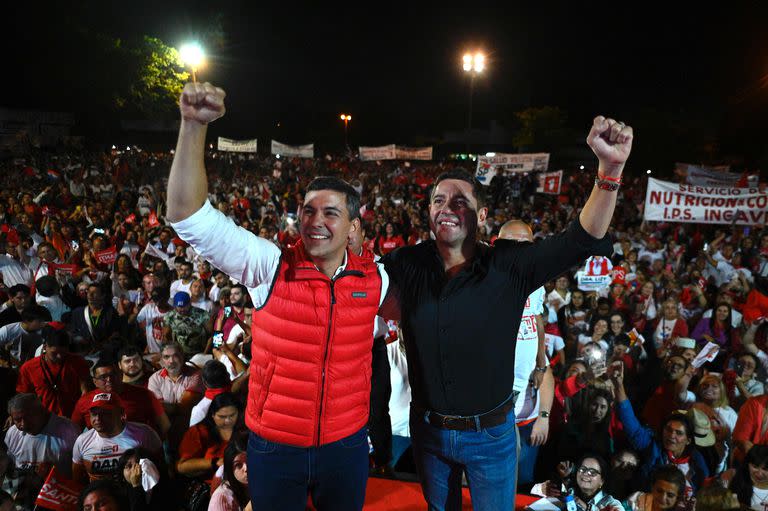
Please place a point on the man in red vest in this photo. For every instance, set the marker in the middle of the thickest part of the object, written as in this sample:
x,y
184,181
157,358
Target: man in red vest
x,y
315,305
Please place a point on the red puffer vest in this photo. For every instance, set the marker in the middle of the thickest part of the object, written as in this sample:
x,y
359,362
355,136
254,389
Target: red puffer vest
x,y
310,376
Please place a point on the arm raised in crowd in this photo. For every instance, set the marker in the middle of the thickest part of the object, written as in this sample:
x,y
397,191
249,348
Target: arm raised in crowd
x,y
200,103
611,141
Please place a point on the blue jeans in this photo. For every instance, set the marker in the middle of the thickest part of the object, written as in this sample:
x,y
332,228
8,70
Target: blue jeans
x,y
280,476
527,457
488,457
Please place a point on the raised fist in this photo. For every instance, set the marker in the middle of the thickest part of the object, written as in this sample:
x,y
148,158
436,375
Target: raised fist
x,y
202,102
610,140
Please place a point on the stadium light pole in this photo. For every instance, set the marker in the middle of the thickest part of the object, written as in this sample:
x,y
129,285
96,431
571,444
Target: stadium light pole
x,y
192,55
346,118
474,64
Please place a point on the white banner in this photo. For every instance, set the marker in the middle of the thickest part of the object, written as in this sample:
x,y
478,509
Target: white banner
x,y
302,151
385,152
413,153
526,162
549,182
713,176
687,203
237,146
592,282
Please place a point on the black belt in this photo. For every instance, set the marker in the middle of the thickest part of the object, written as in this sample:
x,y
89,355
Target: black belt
x,y
495,417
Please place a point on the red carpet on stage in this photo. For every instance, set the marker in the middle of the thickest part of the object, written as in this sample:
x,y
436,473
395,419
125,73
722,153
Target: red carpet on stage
x,y
389,495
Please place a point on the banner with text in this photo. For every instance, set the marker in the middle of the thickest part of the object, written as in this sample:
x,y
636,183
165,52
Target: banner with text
x,y
488,166
413,153
302,151
675,202
384,152
237,146
549,182
713,176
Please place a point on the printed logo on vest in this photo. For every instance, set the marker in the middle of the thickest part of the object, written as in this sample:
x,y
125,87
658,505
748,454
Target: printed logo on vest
x,y
359,294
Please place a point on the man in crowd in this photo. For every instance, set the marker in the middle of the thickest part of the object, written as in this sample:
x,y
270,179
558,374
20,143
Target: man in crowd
x,y
17,302
460,379
187,326
534,382
97,451
57,376
131,365
23,338
37,441
139,404
94,324
185,279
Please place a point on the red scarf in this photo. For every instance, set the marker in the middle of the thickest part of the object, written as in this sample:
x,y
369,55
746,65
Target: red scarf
x,y
682,460
212,393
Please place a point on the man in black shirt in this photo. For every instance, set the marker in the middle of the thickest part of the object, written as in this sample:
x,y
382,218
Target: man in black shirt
x,y
458,301
19,299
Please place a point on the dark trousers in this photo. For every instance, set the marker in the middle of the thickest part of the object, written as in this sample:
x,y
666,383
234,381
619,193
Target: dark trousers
x,y
379,423
334,475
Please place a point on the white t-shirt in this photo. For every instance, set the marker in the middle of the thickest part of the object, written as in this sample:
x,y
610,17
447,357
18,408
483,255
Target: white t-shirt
x,y
100,455
256,259
14,272
152,318
526,348
204,304
554,343
400,398
23,343
200,410
179,285
53,445
54,304
554,298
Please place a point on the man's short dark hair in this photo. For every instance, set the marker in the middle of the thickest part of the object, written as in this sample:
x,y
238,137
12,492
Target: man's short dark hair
x,y
103,362
477,188
34,312
57,338
19,288
47,286
338,185
215,375
184,262
129,350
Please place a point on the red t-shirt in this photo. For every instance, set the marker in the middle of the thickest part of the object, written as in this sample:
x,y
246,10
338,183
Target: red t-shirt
x,y
140,404
57,385
198,443
387,245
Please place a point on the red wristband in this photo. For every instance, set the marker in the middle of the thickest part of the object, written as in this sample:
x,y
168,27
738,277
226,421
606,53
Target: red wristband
x,y
607,178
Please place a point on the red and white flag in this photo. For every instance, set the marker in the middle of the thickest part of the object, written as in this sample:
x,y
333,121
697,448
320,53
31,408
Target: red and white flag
x,y
549,182
106,256
153,221
58,493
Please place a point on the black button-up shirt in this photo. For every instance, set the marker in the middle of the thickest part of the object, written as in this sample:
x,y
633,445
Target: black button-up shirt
x,y
460,333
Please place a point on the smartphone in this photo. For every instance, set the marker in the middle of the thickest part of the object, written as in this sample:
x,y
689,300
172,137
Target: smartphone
x,y
227,311
99,231
706,247
218,339
75,245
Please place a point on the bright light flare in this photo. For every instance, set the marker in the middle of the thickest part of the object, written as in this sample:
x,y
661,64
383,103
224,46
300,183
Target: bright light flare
x,y
192,54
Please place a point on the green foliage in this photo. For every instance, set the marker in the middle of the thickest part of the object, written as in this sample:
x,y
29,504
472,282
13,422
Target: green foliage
x,y
540,129
153,77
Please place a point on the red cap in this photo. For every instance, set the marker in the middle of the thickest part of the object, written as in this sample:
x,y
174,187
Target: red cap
x,y
106,400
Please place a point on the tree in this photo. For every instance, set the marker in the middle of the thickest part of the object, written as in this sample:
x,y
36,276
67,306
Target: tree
x,y
541,129
155,78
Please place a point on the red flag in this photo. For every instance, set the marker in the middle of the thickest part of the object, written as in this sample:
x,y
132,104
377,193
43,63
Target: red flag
x,y
58,493
153,221
130,218
549,182
106,256
69,269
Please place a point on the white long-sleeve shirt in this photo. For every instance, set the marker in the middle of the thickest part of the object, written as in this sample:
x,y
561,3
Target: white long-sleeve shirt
x,y
239,253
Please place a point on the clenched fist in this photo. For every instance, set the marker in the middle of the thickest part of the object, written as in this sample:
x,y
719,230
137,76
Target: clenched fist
x,y
202,102
610,140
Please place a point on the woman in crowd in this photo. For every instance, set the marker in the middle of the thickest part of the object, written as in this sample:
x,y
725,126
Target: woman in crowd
x,y
667,491
716,329
590,476
198,296
597,336
232,493
750,482
201,451
711,392
573,320
743,381
589,429
669,325
388,241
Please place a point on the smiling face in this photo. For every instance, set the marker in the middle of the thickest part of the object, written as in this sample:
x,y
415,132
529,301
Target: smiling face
x,y
674,437
665,494
325,224
454,215
589,478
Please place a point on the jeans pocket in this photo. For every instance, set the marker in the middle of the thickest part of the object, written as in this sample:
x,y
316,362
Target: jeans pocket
x,y
355,439
501,431
260,445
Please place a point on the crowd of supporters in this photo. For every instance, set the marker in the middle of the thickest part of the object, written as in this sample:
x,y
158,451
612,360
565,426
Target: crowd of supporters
x,y
124,359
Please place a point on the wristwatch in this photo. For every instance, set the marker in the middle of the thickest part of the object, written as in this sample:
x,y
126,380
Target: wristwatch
x,y
542,369
544,414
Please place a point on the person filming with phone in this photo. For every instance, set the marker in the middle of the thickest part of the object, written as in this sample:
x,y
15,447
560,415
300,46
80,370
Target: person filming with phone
x,y
235,316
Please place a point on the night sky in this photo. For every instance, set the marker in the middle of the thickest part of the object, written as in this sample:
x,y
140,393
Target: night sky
x,y
397,68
